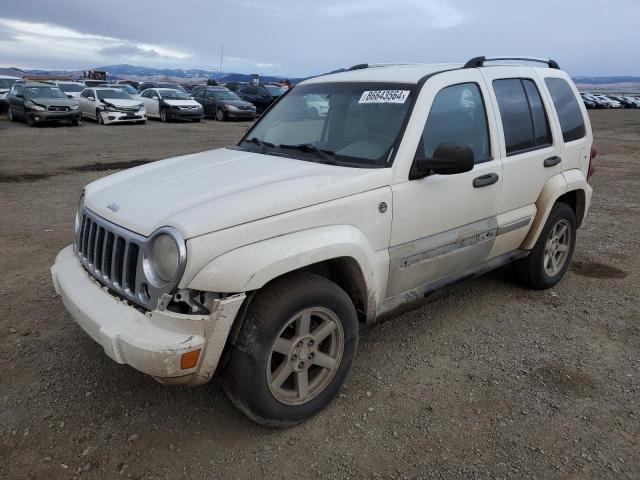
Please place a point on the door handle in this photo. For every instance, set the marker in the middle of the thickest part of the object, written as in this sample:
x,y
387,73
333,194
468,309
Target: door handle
x,y
485,180
551,161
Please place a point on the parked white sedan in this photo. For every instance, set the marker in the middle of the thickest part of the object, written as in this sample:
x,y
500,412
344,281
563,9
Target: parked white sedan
x,y
168,104
111,105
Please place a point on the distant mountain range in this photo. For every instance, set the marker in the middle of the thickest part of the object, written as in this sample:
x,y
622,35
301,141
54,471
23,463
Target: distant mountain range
x,y
133,72
195,75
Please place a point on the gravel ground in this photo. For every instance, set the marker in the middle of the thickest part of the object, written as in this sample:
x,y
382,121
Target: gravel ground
x,y
491,381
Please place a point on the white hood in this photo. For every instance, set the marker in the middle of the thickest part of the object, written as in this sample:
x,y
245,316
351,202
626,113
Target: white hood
x,y
122,102
181,103
218,189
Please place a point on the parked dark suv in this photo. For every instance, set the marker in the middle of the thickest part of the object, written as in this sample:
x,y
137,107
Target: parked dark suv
x,y
259,95
41,102
222,104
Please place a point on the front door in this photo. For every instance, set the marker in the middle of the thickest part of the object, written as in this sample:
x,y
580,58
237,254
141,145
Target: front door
x,y
445,225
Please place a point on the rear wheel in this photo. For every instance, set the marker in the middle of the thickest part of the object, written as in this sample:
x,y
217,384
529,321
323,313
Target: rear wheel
x,y
294,351
551,256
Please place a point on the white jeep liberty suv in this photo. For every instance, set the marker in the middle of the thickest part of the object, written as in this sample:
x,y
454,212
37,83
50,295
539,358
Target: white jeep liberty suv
x,y
263,259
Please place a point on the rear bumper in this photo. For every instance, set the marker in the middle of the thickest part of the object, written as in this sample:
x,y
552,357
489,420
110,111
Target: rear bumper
x,y
151,342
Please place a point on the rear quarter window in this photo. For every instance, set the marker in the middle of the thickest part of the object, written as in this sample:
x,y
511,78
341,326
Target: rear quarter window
x,y
568,109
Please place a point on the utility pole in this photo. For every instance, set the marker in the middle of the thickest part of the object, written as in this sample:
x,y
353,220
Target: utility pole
x,y
221,55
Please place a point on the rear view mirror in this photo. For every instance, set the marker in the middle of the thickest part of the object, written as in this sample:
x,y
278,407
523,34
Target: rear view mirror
x,y
447,159
155,97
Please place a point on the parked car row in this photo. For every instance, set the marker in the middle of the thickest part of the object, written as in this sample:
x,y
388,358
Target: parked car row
x,y
609,101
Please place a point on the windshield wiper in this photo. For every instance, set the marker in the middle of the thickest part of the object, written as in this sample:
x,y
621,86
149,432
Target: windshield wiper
x,y
326,155
260,143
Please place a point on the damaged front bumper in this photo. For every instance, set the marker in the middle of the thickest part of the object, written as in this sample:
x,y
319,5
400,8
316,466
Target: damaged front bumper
x,y
153,342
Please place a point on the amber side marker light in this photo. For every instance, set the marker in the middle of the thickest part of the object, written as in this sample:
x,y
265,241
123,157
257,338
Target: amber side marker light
x,y
189,359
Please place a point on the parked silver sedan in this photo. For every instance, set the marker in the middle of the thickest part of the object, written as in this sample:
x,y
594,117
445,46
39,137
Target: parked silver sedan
x,y
111,105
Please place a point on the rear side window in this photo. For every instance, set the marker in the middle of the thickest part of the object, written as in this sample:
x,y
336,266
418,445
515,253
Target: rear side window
x,y
569,112
457,115
524,120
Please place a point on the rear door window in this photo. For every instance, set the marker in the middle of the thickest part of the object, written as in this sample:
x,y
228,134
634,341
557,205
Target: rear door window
x,y
524,120
569,113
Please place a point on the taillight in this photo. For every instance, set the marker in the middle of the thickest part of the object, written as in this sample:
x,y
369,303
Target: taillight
x,y
592,161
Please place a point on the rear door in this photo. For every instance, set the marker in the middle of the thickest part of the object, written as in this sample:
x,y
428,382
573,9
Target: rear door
x,y
529,146
571,115
445,225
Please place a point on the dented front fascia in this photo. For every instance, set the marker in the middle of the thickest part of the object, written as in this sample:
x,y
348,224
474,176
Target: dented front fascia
x,y
213,329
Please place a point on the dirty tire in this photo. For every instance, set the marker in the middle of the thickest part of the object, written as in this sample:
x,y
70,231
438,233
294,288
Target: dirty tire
x,y
530,270
245,378
78,121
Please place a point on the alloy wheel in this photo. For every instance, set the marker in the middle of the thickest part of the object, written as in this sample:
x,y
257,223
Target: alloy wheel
x,y
305,356
557,248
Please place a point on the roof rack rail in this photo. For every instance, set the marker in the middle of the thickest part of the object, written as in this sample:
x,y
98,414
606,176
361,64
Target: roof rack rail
x,y
477,62
359,66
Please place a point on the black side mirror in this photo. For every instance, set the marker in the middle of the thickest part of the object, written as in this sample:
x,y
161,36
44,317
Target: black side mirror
x,y
448,159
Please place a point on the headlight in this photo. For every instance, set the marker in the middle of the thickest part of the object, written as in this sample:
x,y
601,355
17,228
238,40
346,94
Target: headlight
x,y
79,212
140,107
111,109
231,107
74,107
167,254
37,108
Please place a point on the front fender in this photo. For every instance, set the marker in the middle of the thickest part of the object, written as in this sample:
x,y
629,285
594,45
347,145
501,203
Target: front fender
x,y
250,267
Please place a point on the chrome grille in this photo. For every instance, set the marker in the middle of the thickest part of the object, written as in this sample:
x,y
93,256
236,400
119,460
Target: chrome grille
x,y
113,256
56,108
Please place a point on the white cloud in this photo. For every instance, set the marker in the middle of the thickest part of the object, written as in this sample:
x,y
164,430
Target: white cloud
x,y
31,39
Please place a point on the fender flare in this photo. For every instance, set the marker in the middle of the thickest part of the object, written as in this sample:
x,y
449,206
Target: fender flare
x,y
252,266
553,189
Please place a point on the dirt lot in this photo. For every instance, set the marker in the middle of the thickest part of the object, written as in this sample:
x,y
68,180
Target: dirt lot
x,y
492,381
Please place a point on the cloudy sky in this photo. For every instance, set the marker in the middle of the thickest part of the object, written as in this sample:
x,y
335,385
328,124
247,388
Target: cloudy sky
x,y
304,37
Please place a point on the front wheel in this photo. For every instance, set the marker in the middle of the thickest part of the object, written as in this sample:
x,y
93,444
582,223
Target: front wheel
x,y
99,117
551,255
11,116
294,351
220,116
163,116
78,121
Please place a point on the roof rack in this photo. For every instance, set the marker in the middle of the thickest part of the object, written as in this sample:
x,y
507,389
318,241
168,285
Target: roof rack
x,y
361,66
477,62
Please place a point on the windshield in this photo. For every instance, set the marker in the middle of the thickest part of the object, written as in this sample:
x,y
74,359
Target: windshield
x,y
6,83
44,92
173,94
356,124
126,87
173,86
274,91
71,87
114,94
225,95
